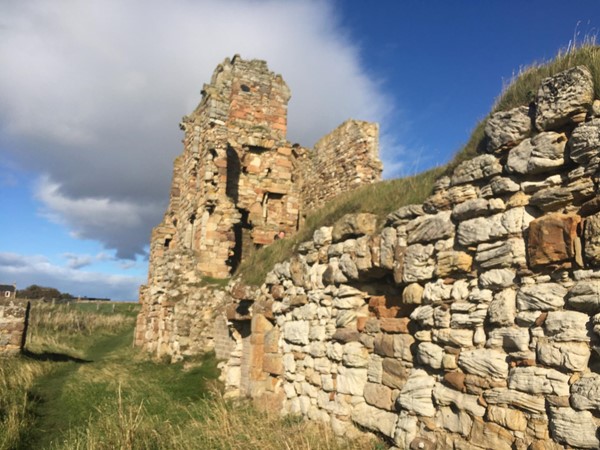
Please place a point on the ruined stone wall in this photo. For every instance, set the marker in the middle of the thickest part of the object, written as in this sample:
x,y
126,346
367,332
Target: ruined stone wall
x,y
236,186
341,161
470,321
14,314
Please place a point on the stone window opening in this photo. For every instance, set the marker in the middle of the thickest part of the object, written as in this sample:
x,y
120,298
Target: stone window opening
x,y
243,240
257,149
189,232
168,242
268,204
245,88
7,294
234,168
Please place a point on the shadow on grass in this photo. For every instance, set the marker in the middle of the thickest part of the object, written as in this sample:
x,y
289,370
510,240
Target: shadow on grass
x,y
54,357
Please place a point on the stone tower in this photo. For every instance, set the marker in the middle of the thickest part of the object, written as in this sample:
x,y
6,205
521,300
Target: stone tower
x,y
234,185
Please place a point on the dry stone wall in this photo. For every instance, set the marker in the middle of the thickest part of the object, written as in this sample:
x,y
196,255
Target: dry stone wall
x,y
471,321
14,316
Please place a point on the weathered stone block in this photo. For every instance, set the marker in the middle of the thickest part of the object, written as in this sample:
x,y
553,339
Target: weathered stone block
x,y
513,419
564,98
542,153
592,240
478,168
418,264
484,362
585,392
553,240
491,435
416,395
585,142
378,395
430,228
541,297
354,225
585,296
538,381
567,356
397,325
505,129
273,364
351,380
394,373
574,428
375,419
296,332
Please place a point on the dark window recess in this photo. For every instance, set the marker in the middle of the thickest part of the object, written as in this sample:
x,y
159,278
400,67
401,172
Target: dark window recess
x,y
243,240
233,174
257,149
245,88
213,152
168,243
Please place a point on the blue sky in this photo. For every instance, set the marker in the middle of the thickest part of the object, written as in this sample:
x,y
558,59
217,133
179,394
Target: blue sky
x,y
92,93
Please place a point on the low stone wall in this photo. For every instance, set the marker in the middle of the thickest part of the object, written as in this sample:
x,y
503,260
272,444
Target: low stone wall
x,y
14,315
469,322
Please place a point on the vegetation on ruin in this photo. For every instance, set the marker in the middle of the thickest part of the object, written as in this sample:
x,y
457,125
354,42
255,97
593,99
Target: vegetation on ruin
x,y
387,196
80,384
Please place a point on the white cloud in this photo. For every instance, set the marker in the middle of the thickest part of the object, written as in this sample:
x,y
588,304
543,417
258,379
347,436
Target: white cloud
x,y
93,92
25,270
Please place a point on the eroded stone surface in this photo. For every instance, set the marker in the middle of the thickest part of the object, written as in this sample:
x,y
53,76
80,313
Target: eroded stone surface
x,y
505,129
564,98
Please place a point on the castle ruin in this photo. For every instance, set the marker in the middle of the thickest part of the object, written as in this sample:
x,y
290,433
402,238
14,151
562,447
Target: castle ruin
x,y
239,183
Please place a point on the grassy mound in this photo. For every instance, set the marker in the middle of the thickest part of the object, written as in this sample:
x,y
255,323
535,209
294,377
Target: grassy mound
x,y
387,196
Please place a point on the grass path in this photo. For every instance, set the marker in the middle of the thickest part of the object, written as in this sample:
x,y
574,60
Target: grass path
x,y
56,409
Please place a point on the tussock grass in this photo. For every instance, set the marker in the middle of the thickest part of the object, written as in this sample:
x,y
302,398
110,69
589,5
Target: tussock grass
x,y
385,197
46,318
211,423
17,376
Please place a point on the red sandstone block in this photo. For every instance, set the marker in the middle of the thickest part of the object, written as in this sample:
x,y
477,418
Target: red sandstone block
x,y
553,240
398,325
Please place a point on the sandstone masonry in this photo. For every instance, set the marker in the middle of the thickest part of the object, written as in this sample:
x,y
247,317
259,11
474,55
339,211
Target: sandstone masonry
x,y
237,185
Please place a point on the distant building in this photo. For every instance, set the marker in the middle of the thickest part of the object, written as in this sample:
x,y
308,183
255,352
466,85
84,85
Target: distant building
x,y
8,290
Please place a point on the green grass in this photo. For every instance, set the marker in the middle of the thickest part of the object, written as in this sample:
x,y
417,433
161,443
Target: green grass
x,y
78,389
384,197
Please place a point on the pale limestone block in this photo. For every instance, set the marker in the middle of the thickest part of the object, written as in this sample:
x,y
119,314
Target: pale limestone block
x,y
484,363
416,395
502,310
510,339
567,326
575,428
375,419
445,396
538,381
570,356
430,355
351,380
355,355
541,297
